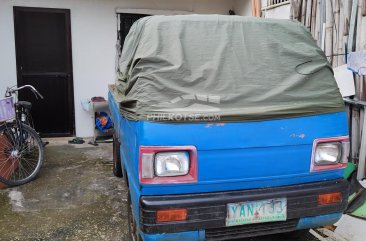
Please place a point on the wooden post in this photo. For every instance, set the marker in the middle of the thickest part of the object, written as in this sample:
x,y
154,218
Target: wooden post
x,y
291,10
340,36
362,23
361,164
308,14
314,12
322,25
352,26
303,11
335,5
296,9
355,131
256,8
317,27
347,15
362,45
329,29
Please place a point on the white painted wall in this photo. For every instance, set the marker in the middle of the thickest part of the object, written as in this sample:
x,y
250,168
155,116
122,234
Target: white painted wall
x,y
243,7
280,12
93,29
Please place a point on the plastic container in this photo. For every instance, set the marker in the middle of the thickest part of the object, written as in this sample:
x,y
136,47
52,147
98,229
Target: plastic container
x,y
7,110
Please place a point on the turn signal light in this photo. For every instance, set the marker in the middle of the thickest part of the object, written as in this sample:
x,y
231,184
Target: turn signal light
x,y
329,198
171,215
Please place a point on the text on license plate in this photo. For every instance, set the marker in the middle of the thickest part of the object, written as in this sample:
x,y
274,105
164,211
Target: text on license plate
x,y
270,210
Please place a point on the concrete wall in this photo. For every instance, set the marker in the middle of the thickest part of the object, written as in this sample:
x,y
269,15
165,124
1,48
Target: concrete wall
x,y
243,7
280,12
93,28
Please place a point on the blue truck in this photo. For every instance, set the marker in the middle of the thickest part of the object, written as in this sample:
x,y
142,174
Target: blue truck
x,y
227,127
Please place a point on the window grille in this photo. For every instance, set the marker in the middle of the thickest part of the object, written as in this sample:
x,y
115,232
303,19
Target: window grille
x,y
275,2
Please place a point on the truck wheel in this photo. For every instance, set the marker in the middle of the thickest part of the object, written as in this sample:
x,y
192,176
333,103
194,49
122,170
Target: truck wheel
x,y
117,168
132,227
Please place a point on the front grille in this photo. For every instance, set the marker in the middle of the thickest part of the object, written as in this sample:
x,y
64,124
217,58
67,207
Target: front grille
x,y
251,230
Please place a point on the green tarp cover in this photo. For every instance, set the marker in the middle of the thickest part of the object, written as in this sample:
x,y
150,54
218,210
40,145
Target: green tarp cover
x,y
238,68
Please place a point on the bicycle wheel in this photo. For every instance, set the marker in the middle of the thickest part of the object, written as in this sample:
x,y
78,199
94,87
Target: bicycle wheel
x,y
21,154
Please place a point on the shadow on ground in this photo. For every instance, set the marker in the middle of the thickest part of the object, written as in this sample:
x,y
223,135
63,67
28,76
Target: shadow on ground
x,y
75,197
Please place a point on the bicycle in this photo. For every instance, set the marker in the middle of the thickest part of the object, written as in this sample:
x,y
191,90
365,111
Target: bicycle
x,y
21,148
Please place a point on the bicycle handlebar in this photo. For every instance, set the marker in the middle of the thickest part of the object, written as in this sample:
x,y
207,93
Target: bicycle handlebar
x,y
11,91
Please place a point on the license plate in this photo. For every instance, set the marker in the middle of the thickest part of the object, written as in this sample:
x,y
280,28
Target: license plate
x,y
270,210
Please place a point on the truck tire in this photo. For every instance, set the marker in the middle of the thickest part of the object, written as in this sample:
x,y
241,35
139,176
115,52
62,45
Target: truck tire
x,y
133,233
117,167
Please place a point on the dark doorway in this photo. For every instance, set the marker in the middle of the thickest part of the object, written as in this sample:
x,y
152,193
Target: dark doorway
x,y
43,54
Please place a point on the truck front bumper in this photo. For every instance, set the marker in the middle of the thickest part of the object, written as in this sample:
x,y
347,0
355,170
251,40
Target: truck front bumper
x,y
206,212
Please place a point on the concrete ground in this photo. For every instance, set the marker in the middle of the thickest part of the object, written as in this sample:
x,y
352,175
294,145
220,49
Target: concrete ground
x,y
75,197
351,228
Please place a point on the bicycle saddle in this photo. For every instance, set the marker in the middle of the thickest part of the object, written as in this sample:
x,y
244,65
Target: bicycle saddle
x,y
25,104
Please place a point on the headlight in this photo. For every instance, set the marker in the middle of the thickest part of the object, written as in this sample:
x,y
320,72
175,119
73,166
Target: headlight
x,y
328,153
169,164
